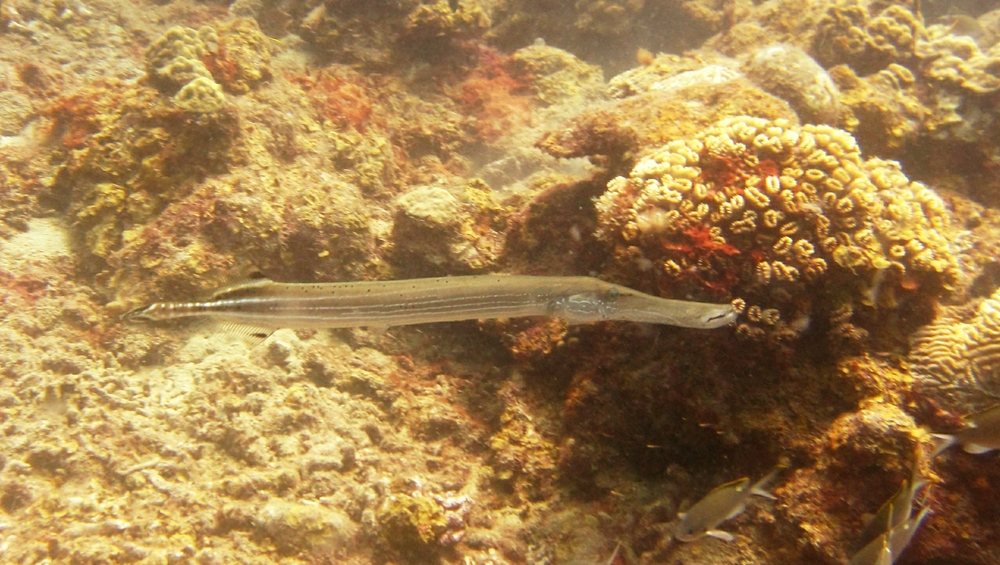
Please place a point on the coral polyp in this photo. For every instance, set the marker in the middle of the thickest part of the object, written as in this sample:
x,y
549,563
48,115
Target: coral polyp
x,y
766,212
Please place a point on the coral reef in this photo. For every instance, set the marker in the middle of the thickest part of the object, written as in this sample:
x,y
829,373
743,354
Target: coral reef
x,y
957,353
791,74
848,34
435,233
150,150
188,62
175,58
676,106
883,110
200,95
763,211
959,61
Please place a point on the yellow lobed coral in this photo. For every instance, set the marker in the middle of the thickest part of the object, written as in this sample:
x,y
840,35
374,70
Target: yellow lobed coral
x,y
175,57
961,350
201,95
174,61
958,60
762,210
848,34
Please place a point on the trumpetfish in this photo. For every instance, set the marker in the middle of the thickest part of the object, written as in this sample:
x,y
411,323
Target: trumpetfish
x,y
258,307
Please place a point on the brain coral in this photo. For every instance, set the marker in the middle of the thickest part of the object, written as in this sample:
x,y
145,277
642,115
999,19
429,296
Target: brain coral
x,y
960,351
771,214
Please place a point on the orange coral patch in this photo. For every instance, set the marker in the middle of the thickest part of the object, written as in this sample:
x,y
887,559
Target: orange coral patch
x,y
337,98
491,95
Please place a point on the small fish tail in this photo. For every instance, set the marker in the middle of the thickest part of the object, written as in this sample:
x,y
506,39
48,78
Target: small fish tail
x,y
759,487
140,313
941,442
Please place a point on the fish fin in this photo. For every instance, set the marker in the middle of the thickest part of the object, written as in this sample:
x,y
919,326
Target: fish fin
x,y
738,485
736,512
758,487
941,442
975,448
252,336
719,534
238,288
614,555
764,493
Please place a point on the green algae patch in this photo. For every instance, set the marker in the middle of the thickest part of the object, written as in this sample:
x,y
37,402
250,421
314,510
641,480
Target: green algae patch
x,y
411,524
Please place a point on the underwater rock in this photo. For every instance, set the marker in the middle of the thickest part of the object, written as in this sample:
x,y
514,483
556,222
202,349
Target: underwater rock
x,y
621,129
240,56
665,67
556,76
412,524
295,527
764,211
15,112
439,23
855,465
436,233
791,74
143,156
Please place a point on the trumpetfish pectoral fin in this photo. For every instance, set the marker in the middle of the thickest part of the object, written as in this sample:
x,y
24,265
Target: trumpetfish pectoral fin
x,y
252,336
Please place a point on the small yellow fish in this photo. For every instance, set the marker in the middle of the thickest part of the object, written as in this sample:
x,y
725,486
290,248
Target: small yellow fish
x,y
886,549
725,502
897,509
980,434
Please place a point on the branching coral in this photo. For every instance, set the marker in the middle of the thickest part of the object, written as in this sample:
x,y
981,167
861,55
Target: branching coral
x,y
763,211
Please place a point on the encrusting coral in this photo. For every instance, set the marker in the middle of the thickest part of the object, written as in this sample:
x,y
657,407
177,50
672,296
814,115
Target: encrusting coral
x,y
762,211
